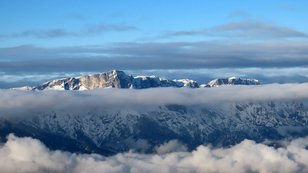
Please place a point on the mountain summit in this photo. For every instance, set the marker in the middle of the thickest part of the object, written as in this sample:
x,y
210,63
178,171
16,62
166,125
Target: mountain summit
x,y
119,79
233,81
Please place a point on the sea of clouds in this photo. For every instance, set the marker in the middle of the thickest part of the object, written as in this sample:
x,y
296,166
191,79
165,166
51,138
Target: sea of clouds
x,y
28,155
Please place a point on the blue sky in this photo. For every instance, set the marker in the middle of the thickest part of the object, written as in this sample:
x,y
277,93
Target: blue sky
x,y
199,39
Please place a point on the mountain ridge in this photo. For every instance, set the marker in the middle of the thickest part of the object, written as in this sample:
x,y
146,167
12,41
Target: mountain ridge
x,y
112,120
119,79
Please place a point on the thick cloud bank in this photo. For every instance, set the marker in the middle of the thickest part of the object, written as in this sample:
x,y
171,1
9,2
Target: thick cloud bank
x,y
27,155
27,103
14,101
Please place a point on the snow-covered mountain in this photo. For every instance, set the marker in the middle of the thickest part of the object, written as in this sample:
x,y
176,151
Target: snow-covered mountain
x,y
112,79
119,79
233,81
115,128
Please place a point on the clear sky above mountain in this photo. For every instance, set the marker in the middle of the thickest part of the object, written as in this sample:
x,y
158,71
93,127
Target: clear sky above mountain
x,y
40,40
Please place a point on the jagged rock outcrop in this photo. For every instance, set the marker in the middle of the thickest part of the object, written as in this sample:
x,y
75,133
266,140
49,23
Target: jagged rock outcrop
x,y
112,79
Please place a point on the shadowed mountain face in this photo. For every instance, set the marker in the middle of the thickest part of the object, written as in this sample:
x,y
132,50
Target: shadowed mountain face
x,y
119,79
109,132
109,121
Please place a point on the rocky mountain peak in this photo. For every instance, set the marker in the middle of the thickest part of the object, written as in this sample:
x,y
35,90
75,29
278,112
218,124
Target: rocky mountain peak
x,y
119,79
233,81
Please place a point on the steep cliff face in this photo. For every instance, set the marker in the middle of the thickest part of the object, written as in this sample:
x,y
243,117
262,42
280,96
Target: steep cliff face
x,y
112,79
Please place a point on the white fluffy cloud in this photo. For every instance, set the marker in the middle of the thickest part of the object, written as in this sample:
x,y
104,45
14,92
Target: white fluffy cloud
x,y
171,146
27,155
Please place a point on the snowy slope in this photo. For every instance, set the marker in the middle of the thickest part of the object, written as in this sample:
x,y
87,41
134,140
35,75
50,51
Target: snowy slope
x,y
114,130
233,81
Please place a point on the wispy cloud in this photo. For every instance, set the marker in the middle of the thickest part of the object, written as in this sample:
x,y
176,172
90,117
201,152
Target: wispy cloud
x,y
288,7
87,30
96,29
246,28
50,33
77,16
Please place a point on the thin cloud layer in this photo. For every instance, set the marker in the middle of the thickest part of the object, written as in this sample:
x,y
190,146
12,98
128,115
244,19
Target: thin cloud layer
x,y
32,156
242,30
88,30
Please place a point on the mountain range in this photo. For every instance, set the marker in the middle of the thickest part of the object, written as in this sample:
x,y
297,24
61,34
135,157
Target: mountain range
x,y
110,121
119,79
